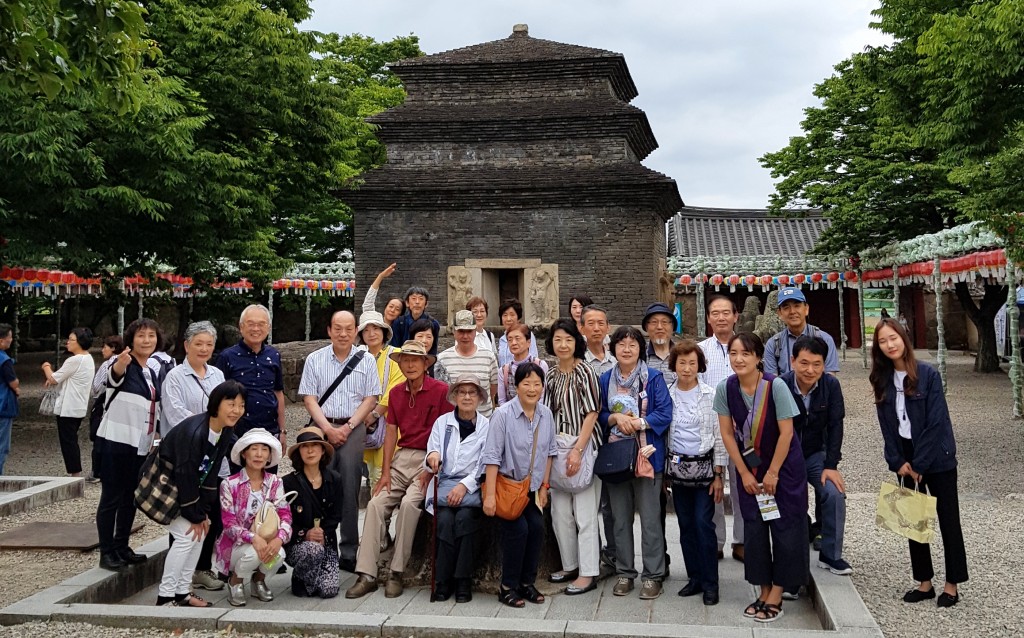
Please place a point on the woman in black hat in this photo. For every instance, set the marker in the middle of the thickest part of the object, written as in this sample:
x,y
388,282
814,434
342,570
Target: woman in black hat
x,y
313,548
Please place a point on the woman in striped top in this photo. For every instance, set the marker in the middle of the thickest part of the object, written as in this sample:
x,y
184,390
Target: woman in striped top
x,y
574,396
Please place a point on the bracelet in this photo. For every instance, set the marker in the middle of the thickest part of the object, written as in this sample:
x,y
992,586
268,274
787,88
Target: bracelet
x,y
719,474
578,449
545,486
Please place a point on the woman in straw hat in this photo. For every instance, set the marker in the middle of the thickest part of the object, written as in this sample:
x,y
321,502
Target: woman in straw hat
x,y
313,548
375,334
453,455
241,553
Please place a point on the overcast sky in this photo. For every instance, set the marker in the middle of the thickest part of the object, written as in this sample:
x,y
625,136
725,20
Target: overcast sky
x,y
722,82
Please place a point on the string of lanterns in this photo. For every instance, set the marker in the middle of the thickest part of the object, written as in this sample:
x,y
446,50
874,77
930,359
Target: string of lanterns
x,y
765,282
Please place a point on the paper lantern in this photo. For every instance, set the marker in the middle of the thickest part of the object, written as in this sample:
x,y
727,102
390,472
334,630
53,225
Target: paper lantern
x,y
17,273
800,279
766,281
298,283
702,279
5,272
67,278
351,284
30,273
311,285
783,280
685,280
816,278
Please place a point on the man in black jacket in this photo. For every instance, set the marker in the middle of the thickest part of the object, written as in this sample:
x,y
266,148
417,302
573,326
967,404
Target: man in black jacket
x,y
820,428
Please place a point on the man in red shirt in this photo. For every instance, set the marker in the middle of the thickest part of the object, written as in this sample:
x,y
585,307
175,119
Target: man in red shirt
x,y
413,407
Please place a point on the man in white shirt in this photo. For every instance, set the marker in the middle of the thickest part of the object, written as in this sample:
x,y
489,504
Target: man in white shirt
x,y
595,329
722,314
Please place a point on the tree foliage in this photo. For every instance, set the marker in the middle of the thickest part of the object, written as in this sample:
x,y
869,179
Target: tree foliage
x,y
49,46
244,126
918,135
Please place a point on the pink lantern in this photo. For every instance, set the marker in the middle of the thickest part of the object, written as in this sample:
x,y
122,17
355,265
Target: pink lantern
x,y
766,281
311,284
326,284
685,280
816,278
783,280
799,279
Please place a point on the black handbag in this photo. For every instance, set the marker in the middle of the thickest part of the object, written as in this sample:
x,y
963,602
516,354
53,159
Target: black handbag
x,y
687,470
616,461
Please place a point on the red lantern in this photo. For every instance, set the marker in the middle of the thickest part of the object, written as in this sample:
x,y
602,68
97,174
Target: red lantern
x,y
278,284
851,275
44,275
54,277
783,280
67,278
766,281
30,274
286,283
310,284
326,284
833,277
799,279
702,279
816,278
734,280
5,272
685,280
17,273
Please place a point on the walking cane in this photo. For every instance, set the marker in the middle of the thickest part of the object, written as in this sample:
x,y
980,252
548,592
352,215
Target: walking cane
x,y
433,550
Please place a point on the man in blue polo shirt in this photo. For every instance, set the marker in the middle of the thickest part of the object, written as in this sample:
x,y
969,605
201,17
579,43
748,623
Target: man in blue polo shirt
x,y
793,311
257,366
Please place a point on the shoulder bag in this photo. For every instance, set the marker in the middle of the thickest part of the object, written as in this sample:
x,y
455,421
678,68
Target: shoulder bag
x,y
446,482
513,496
347,370
581,480
267,522
156,495
617,460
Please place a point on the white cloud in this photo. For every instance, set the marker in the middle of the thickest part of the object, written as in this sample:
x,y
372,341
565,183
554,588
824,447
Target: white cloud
x,y
722,82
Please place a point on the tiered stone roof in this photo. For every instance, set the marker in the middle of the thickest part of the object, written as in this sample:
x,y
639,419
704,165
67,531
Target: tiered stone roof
x,y
519,122
734,232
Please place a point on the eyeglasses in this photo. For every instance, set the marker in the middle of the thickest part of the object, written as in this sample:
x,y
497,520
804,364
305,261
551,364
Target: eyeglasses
x,y
256,324
466,393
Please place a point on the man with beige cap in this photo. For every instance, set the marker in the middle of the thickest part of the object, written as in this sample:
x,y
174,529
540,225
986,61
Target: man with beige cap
x,y
413,406
466,358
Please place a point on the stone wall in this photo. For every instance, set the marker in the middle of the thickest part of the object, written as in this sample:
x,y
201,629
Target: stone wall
x,y
625,278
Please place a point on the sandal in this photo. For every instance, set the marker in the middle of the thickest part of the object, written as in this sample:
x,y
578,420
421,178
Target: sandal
x,y
769,613
753,608
510,598
191,600
530,593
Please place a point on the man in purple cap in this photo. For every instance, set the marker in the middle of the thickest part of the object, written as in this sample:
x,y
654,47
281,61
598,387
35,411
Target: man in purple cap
x,y
793,311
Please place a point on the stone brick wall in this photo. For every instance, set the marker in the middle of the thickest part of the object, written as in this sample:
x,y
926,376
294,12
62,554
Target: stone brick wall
x,y
630,243
512,154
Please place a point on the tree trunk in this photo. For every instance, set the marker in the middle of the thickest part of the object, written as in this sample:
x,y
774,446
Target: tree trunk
x,y
983,318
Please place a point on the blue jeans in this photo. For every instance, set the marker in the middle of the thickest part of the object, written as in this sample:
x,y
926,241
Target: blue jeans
x,y
5,441
695,509
833,508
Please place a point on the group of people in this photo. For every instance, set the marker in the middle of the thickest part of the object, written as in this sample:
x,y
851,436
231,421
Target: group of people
x,y
487,429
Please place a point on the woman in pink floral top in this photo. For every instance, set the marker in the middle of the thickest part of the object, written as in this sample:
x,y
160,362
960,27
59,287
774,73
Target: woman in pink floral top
x,y
241,553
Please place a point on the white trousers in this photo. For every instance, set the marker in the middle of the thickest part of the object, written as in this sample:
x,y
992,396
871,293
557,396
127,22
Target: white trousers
x,y
181,560
245,561
574,518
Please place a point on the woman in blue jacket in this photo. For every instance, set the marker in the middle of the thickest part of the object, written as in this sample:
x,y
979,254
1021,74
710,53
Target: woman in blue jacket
x,y
635,403
919,447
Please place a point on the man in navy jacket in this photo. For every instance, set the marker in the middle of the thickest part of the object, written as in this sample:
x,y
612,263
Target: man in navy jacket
x,y
820,428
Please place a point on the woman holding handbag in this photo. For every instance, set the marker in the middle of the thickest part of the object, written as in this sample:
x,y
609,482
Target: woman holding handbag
x,y
195,449
244,548
517,459
574,397
920,448
74,385
313,548
124,437
374,333
755,413
635,405
453,456
695,466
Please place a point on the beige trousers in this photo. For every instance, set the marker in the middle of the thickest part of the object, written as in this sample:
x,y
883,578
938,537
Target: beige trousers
x,y
406,495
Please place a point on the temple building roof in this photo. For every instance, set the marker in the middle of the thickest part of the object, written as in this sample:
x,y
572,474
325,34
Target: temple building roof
x,y
736,232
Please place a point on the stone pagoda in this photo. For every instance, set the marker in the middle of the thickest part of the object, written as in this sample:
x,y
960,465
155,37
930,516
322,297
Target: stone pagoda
x,y
514,171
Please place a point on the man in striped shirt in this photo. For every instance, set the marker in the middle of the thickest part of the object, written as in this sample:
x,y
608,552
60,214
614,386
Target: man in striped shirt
x,y
341,417
722,315
466,358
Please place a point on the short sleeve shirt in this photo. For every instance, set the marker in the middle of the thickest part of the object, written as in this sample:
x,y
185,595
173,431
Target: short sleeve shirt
x,y
262,376
785,405
415,415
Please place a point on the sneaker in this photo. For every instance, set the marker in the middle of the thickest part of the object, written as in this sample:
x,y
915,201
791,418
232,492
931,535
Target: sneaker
x,y
839,567
651,589
623,586
791,595
207,580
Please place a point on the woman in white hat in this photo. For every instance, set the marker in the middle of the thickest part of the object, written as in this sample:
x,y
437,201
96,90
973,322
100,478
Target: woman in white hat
x,y
375,334
316,513
453,455
241,553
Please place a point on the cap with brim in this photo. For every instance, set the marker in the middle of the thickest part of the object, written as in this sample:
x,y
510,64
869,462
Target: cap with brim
x,y
309,435
257,435
464,321
658,308
374,318
415,349
791,294
466,379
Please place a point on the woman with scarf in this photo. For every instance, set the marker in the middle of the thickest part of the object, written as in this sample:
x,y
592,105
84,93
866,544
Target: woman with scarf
x,y
635,403
755,413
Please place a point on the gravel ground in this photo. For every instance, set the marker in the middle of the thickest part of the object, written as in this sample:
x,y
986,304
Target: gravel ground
x,y
991,451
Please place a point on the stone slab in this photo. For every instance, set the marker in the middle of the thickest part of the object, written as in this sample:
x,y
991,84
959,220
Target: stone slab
x,y
47,535
597,629
343,623
169,618
25,493
838,603
403,626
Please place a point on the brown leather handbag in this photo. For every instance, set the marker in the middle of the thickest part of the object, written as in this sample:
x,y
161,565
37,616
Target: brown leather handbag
x,y
511,497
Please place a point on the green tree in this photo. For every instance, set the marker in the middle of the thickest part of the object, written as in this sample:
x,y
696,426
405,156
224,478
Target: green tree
x,y
49,46
878,157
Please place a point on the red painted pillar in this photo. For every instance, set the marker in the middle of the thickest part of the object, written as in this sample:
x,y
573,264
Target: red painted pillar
x,y
851,308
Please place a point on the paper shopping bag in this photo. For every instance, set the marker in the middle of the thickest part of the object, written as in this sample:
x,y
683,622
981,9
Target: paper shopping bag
x,y
906,512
